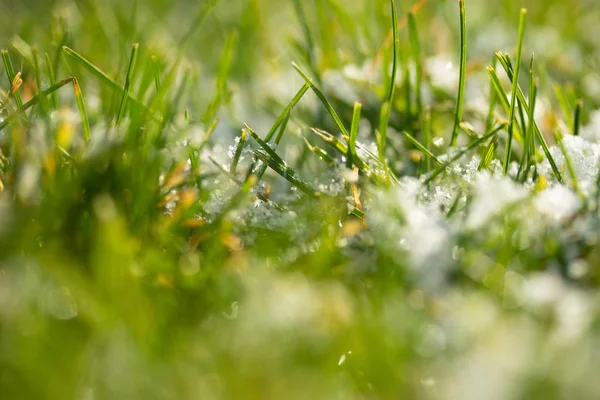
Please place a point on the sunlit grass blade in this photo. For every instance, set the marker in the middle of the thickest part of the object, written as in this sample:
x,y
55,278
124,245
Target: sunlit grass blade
x,y
351,153
10,73
462,74
513,97
128,77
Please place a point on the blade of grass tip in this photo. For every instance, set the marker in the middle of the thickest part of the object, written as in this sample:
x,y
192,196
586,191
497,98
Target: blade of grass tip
x,y
564,104
81,105
10,73
427,126
386,107
421,148
462,152
52,78
351,154
128,77
34,100
416,55
238,151
559,139
462,75
323,100
577,117
513,97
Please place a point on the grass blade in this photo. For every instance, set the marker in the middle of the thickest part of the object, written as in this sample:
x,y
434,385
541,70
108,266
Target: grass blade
x,y
387,106
52,78
513,98
351,153
321,96
416,55
130,68
538,133
82,111
421,147
275,162
462,75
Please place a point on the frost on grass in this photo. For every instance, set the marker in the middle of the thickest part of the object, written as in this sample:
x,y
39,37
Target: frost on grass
x,y
412,220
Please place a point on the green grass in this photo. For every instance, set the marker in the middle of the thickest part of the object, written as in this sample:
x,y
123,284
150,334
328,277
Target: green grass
x,y
259,199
